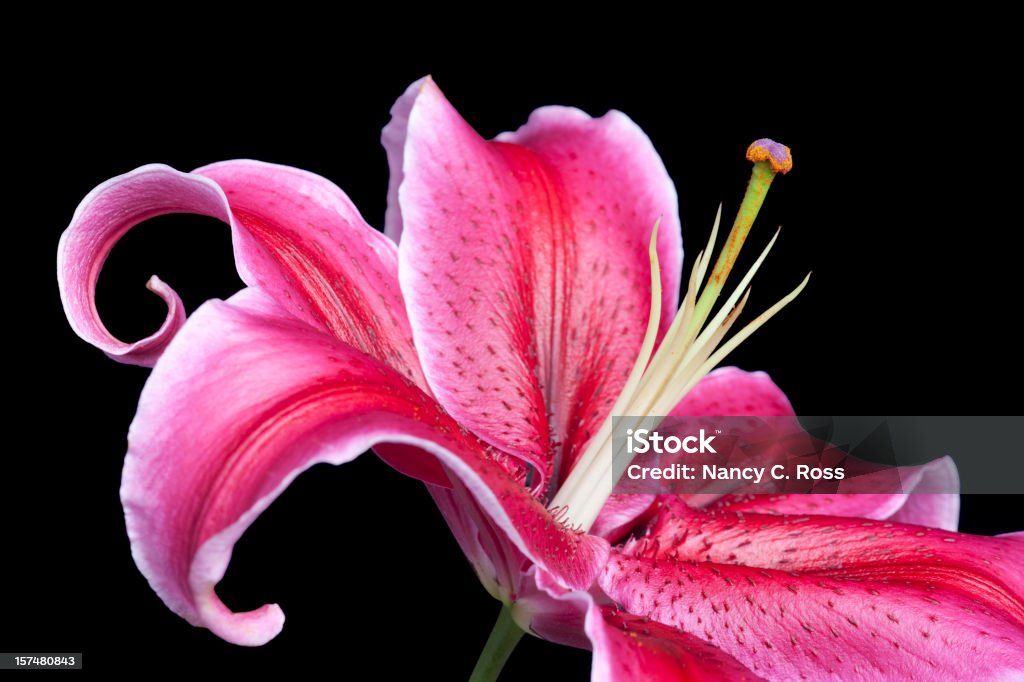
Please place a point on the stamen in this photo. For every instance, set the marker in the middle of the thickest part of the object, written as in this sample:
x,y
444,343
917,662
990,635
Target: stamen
x,y
690,348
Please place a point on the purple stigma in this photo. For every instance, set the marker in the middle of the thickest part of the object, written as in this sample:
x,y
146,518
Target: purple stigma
x,y
778,155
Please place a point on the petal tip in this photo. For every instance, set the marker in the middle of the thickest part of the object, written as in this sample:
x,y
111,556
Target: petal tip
x,y
248,628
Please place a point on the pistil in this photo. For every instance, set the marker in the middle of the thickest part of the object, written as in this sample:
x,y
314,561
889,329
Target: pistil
x,y
691,348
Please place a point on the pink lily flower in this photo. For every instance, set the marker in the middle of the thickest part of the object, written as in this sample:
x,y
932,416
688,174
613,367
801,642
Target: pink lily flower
x,y
515,301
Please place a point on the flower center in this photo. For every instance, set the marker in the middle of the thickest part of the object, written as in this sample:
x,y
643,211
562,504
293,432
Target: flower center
x,y
692,347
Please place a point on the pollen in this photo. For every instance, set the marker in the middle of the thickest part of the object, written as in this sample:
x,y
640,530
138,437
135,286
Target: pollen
x,y
778,155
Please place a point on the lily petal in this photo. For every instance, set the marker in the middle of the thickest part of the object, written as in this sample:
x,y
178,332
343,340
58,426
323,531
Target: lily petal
x,y
295,234
495,559
918,506
933,509
102,218
825,596
727,391
244,399
620,514
524,265
628,647
730,391
733,392
392,138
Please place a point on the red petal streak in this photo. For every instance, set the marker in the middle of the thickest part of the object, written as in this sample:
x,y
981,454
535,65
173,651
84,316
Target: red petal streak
x,y
323,263
524,265
245,399
817,596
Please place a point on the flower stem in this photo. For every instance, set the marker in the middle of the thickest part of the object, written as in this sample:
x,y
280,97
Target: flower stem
x,y
504,637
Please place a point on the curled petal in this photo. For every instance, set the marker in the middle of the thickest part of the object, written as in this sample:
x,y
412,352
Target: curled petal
x,y
933,509
550,611
295,235
100,220
245,399
919,505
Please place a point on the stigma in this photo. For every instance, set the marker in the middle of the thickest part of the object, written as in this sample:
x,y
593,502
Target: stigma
x,y
694,344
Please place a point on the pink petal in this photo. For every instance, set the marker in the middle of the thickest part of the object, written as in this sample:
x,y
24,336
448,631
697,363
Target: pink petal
x,y
393,140
730,391
100,220
295,234
619,514
495,559
628,648
524,265
548,610
246,398
917,506
826,596
937,510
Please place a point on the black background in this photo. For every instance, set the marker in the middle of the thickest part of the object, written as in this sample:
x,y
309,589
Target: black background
x,y
898,203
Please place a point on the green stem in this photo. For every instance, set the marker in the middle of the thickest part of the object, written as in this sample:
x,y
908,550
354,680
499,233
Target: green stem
x,y
504,637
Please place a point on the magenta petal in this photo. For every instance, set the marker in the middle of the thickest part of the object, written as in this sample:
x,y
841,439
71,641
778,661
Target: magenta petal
x,y
393,140
619,514
246,398
628,648
732,392
495,559
825,596
525,269
100,220
934,509
295,235
917,506
548,610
